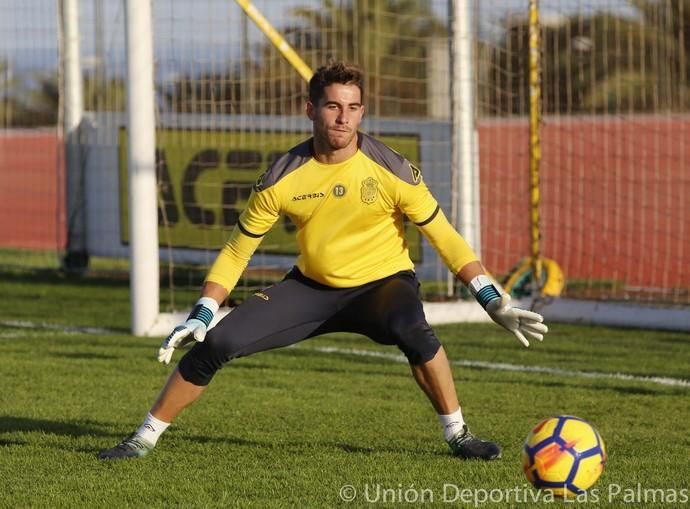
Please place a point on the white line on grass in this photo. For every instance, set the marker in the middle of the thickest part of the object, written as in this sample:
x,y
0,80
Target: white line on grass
x,y
20,324
501,366
495,366
12,335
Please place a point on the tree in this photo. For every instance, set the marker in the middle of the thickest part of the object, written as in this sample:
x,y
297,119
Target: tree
x,y
32,100
669,22
42,102
387,38
8,104
596,63
102,96
207,93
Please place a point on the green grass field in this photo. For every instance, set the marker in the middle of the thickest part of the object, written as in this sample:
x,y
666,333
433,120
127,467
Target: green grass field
x,y
291,428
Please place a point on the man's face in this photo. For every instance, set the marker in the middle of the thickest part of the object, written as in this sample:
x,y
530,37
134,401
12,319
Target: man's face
x,y
337,116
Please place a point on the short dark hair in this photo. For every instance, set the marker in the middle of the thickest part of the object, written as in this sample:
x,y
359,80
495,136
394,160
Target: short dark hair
x,y
334,72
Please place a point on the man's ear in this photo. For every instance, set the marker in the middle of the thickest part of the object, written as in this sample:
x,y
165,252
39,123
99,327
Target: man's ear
x,y
309,109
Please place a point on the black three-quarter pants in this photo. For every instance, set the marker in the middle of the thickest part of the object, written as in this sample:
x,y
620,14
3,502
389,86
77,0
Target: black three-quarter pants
x,y
388,311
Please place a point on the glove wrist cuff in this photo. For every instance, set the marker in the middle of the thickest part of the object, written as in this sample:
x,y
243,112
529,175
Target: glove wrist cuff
x,y
482,288
203,310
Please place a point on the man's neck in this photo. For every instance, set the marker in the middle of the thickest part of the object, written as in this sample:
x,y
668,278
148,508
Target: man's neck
x,y
326,155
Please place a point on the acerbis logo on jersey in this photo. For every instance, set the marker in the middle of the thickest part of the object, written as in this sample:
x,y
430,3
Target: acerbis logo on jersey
x,y
339,190
370,190
307,196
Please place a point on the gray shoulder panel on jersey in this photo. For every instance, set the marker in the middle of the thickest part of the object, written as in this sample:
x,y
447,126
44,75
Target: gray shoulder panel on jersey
x,y
382,154
287,163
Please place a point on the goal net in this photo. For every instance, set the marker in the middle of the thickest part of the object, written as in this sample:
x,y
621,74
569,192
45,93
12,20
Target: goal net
x,y
614,134
615,109
228,103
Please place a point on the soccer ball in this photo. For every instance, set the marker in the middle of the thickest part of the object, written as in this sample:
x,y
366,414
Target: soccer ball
x,y
564,455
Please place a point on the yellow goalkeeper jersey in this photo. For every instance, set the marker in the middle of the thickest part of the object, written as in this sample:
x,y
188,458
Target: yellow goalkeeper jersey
x,y
349,217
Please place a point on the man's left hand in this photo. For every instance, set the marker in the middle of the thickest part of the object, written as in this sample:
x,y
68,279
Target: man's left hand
x,y
518,321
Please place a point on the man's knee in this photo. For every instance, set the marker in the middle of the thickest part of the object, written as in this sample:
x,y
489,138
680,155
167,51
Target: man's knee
x,y
415,337
200,363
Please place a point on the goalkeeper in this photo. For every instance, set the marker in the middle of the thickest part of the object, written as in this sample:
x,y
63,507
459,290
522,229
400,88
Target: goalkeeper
x,y
347,193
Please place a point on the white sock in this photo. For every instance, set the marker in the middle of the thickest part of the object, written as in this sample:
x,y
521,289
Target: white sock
x,y
152,429
452,423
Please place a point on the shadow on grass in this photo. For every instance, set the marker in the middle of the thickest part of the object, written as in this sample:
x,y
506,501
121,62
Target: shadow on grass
x,y
121,343
11,424
84,356
675,340
461,374
44,277
6,443
296,446
314,369
576,383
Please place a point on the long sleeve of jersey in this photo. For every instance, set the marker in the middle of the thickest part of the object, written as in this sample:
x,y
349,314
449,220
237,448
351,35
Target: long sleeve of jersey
x,y
262,211
448,243
421,207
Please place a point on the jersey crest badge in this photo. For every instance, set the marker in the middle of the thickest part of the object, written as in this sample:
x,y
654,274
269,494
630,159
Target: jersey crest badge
x,y
370,190
416,174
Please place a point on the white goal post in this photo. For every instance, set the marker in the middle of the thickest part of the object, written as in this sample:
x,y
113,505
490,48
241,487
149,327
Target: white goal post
x,y
141,163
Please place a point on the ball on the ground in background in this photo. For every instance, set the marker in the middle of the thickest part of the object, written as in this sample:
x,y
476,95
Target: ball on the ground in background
x,y
564,454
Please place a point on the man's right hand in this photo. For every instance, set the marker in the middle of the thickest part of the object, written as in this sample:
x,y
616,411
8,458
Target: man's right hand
x,y
194,329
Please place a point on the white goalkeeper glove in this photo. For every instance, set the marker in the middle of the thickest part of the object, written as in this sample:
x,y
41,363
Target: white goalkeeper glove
x,y
518,321
194,329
